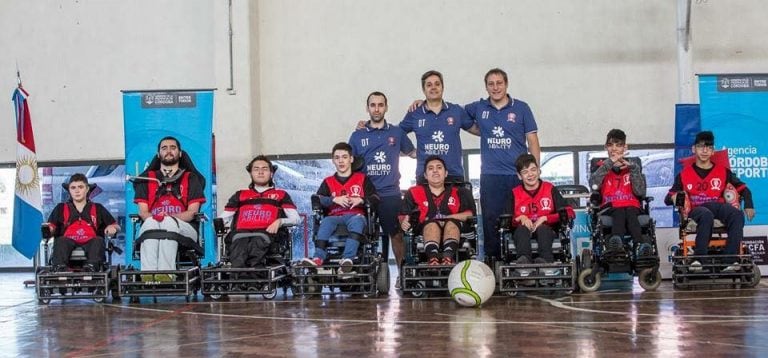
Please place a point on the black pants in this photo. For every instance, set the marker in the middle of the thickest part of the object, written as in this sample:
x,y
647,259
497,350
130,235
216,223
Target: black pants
x,y
705,215
544,235
249,251
63,246
625,220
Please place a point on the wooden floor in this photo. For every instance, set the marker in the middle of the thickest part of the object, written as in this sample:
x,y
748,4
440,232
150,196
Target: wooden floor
x,y
625,322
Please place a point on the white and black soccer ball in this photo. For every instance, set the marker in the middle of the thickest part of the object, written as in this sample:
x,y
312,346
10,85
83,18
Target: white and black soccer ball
x,y
471,283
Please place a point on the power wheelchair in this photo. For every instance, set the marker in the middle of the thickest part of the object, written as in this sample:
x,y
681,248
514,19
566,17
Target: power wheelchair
x,y
593,263
265,278
76,282
557,276
419,279
712,267
370,275
183,281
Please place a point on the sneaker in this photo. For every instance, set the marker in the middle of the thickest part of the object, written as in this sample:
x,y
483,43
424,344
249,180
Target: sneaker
x,y
734,267
695,266
397,283
314,262
345,266
551,271
522,260
147,278
447,260
645,250
615,244
165,277
433,261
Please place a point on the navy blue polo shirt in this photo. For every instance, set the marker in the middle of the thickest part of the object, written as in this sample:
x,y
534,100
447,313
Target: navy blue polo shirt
x,y
502,133
438,134
380,149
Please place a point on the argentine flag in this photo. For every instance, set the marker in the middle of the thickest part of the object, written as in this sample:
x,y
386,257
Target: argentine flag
x,y
27,206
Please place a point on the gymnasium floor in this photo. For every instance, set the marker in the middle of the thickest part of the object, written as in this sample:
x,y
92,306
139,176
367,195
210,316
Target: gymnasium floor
x,y
620,322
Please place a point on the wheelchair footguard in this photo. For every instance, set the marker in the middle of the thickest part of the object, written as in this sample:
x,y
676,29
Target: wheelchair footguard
x,y
713,271
425,280
72,285
556,277
135,283
221,281
369,278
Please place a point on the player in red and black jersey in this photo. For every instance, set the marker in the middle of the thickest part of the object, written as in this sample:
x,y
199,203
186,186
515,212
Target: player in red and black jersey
x,y
80,222
442,211
704,184
343,196
256,214
168,202
621,183
535,207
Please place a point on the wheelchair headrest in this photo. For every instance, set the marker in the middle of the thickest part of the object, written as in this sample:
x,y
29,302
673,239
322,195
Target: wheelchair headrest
x,y
184,163
358,163
595,163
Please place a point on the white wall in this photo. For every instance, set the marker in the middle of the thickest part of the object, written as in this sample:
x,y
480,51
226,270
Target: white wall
x,y
304,67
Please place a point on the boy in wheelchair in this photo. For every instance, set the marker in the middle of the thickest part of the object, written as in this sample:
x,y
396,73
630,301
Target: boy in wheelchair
x,y
442,212
344,197
703,187
257,216
80,222
536,211
619,184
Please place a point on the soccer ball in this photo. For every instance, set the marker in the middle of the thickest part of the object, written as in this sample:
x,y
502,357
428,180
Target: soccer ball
x,y
471,283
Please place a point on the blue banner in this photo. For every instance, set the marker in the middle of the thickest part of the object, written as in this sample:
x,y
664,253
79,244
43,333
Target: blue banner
x,y
735,108
184,114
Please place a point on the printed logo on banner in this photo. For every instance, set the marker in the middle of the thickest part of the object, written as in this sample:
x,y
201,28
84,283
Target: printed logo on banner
x,y
168,100
756,246
742,83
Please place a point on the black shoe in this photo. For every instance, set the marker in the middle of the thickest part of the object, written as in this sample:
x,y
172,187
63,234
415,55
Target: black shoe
x,y
615,245
645,250
59,268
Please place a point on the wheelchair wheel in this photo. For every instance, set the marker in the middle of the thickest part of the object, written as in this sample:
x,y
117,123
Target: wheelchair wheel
x,y
99,291
753,280
382,278
271,295
589,282
217,295
46,296
418,293
649,279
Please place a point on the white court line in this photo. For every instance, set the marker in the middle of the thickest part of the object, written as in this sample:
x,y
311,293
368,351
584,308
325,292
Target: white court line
x,y
674,299
562,305
383,321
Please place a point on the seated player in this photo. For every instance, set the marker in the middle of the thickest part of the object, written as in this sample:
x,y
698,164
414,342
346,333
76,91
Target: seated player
x,y
256,215
442,212
536,206
621,183
343,196
168,202
703,184
80,222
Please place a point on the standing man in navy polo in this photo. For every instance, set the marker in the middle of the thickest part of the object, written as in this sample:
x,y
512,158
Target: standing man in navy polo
x,y
507,130
437,125
380,145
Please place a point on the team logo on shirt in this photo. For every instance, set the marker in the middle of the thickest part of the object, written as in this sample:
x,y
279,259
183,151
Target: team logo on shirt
x,y
391,141
437,148
546,204
626,179
498,141
511,117
379,167
450,121
356,190
380,157
522,209
689,186
716,183
272,196
451,201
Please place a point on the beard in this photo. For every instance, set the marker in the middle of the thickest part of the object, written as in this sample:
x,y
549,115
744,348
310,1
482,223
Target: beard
x,y
170,161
